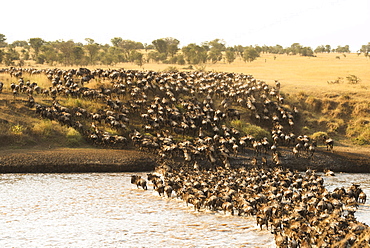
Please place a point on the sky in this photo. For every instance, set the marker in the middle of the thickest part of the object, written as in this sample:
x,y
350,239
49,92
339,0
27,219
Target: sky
x,y
236,22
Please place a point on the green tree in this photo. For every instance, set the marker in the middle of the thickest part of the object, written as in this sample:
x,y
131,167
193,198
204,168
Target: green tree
x,y
319,49
195,54
306,51
277,49
66,48
344,49
116,41
49,54
92,49
78,55
250,54
230,55
36,44
365,49
2,40
172,45
2,55
20,43
160,45
215,55
136,57
294,49
216,47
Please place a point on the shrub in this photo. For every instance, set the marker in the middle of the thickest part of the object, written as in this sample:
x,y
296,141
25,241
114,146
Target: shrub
x,y
319,135
17,129
74,138
246,128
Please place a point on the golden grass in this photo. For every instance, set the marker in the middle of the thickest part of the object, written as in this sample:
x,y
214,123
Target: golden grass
x,y
296,73
304,82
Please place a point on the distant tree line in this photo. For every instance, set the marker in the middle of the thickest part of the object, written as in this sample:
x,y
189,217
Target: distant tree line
x,y
164,50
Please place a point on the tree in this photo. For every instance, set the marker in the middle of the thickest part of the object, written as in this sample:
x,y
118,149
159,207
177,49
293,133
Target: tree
x,y
2,40
2,54
156,56
49,54
20,43
230,55
344,49
160,45
327,48
215,55
195,54
92,50
36,43
294,49
277,49
137,58
66,48
116,41
320,49
172,45
306,51
215,50
78,55
365,49
250,54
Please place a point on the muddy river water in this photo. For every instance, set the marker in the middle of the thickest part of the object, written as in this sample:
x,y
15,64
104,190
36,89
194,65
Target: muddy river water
x,y
106,210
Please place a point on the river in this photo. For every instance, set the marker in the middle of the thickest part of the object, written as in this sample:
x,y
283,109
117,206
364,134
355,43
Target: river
x,y
106,210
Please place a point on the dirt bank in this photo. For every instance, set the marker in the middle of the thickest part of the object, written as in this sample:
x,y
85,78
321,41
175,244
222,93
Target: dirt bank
x,y
74,160
65,160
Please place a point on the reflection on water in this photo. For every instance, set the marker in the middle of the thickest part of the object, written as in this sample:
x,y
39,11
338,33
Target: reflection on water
x,y
105,210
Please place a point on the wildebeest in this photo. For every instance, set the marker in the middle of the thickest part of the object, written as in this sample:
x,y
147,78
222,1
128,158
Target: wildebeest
x,y
329,142
139,181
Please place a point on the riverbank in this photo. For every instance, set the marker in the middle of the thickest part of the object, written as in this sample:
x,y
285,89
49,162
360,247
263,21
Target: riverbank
x,y
76,160
67,160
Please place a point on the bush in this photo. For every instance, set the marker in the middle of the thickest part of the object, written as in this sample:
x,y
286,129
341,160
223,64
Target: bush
x,y
74,138
246,128
359,131
319,135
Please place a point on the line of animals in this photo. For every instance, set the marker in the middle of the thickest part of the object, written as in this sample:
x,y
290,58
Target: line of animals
x,y
176,115
295,207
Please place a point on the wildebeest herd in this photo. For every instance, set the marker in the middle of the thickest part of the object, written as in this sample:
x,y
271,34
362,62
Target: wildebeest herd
x,y
194,119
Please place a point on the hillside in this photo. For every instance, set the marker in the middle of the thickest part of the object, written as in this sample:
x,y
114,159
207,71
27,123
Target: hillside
x,y
331,114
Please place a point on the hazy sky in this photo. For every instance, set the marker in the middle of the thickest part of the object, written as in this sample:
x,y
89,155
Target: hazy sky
x,y
243,22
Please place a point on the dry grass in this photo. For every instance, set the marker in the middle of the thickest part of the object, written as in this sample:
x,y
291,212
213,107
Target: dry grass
x,y
333,108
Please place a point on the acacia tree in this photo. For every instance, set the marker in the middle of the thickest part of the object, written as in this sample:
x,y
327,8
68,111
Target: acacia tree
x,y
92,50
195,54
172,45
160,45
36,44
250,54
365,49
2,40
166,46
66,48
49,54
230,55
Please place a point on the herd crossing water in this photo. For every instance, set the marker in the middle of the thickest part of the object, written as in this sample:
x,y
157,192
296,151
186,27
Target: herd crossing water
x,y
106,210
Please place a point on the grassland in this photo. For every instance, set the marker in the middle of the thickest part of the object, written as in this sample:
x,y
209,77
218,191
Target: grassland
x,y
340,109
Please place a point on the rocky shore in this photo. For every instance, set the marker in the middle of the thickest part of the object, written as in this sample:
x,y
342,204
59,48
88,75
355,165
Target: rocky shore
x,y
67,160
